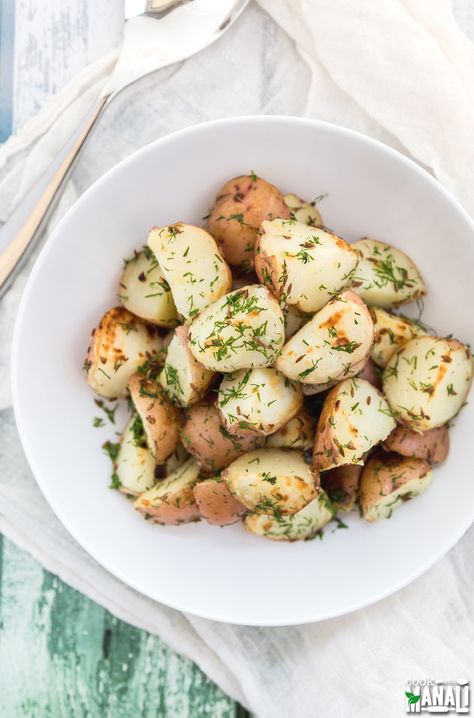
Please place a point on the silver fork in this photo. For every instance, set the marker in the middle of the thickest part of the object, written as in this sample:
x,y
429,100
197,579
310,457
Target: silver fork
x,y
195,25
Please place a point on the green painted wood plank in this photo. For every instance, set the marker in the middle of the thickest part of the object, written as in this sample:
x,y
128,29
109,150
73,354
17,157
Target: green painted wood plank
x,y
63,655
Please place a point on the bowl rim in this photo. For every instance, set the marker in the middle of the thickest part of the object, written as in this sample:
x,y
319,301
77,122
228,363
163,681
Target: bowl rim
x,y
196,128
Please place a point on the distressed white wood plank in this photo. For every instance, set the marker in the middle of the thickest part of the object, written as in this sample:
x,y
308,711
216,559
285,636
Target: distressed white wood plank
x,y
53,40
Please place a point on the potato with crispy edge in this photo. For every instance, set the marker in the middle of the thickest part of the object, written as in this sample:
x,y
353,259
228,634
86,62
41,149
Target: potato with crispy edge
x,y
431,445
216,504
391,332
388,480
326,348
192,265
183,378
241,206
302,266
135,465
172,500
303,525
355,417
342,485
119,345
159,416
385,276
427,381
298,433
212,445
257,401
144,291
304,212
272,481
243,330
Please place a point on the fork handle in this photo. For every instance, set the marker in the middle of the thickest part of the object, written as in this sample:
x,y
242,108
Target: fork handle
x,y
23,241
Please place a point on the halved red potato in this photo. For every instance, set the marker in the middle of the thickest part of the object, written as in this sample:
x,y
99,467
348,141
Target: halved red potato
x,y
385,276
302,525
183,378
272,481
431,445
241,206
192,265
301,265
135,465
160,418
355,417
388,480
212,445
216,503
258,401
328,347
144,291
371,373
302,211
119,345
342,485
391,332
242,330
172,500
427,381
297,433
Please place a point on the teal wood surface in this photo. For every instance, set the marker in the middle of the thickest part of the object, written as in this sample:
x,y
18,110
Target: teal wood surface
x,y
63,656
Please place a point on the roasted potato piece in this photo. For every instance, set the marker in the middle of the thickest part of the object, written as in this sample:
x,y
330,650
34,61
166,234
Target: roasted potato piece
x,y
431,445
172,500
389,479
427,381
243,330
119,345
183,378
302,266
327,347
216,503
213,446
294,320
342,485
159,416
192,265
272,481
355,417
258,400
302,211
144,291
304,524
298,433
390,333
385,276
241,206
135,465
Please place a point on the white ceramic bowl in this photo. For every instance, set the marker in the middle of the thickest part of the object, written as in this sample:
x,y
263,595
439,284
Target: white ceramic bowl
x,y
226,574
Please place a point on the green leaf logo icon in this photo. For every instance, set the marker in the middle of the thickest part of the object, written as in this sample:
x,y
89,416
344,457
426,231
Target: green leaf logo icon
x,y
412,698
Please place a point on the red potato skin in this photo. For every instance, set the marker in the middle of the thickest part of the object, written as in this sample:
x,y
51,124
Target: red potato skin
x,y
431,445
251,200
342,485
216,504
371,374
208,441
171,511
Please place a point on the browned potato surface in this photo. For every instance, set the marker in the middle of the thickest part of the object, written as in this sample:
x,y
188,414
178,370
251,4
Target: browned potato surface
x,y
216,503
241,206
431,445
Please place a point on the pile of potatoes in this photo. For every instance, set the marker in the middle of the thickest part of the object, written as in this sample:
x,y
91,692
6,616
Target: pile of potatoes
x,y
269,378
